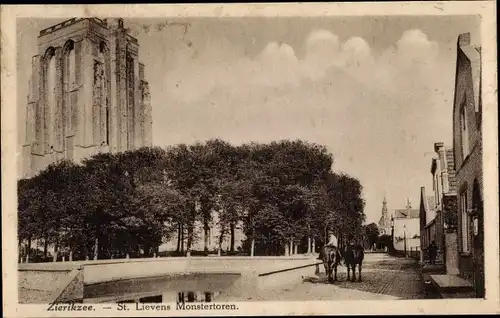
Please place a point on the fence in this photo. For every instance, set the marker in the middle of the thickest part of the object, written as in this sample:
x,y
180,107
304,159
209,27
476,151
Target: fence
x,y
414,252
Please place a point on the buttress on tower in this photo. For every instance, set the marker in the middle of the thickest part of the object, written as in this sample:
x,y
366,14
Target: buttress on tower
x,y
87,94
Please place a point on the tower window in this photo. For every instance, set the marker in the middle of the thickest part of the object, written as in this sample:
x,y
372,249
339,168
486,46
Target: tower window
x,y
50,96
71,64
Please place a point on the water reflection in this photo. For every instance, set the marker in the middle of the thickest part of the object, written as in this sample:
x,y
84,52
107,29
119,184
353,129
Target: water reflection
x,y
196,297
181,297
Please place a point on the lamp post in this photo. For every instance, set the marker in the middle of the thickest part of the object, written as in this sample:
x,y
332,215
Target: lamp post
x,y
392,230
404,228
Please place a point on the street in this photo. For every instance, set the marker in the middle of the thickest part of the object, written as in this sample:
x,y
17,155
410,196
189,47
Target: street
x,y
384,278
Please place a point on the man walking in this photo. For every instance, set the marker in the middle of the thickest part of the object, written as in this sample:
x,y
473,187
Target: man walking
x,y
432,252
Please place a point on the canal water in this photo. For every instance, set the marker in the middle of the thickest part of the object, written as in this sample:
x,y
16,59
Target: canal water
x,y
202,287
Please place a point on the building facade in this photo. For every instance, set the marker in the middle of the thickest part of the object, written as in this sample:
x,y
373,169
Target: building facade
x,y
406,228
384,224
467,145
87,94
427,219
443,194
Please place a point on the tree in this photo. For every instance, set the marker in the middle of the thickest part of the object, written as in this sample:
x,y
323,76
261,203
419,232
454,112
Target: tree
x,y
118,204
372,233
30,202
183,171
386,240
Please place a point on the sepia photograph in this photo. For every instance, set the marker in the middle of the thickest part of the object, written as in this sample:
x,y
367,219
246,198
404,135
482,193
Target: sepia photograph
x,y
200,162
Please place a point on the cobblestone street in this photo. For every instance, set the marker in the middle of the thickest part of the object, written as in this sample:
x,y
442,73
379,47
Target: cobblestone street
x,y
384,277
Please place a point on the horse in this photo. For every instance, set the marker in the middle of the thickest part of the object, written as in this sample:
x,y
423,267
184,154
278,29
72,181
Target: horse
x,y
331,259
353,256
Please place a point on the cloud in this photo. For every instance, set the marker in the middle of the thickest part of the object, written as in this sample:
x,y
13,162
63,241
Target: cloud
x,y
369,107
357,53
219,63
404,75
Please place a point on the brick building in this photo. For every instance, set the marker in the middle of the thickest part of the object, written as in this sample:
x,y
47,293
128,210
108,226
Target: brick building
x,y
444,192
467,145
87,94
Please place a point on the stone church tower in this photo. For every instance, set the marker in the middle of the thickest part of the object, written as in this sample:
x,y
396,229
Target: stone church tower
x,y
87,94
384,224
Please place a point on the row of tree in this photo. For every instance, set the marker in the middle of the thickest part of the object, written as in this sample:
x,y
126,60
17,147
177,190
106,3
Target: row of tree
x,y
112,205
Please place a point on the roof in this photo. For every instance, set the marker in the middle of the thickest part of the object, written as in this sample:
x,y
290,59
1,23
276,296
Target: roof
x,y
450,163
404,213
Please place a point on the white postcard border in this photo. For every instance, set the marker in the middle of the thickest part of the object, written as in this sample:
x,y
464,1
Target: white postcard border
x,y
490,151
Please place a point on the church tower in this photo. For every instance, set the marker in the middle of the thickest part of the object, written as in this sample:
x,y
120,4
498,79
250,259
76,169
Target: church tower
x,y
384,223
87,94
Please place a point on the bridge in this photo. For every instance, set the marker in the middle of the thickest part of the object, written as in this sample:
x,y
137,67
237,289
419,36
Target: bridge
x,y
133,279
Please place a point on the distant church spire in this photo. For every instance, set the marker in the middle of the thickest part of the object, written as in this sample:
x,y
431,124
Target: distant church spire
x,y
384,223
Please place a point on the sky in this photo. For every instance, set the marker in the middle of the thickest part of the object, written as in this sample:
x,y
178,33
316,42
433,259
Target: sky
x,y
376,91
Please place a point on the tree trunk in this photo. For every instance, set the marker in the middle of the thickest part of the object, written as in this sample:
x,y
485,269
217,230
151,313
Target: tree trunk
x,y
96,249
182,238
252,247
189,239
19,251
291,247
308,245
28,252
314,245
221,239
206,230
45,245
179,229
219,250
232,227
56,251
70,255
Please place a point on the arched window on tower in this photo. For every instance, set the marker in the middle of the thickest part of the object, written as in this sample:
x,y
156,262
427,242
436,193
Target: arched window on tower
x,y
69,64
69,81
50,96
103,49
71,67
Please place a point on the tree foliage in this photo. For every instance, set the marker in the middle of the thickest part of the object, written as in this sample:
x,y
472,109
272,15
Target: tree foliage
x,y
117,204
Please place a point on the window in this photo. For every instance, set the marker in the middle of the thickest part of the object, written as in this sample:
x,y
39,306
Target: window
x,y
464,132
69,79
51,96
105,120
464,222
71,67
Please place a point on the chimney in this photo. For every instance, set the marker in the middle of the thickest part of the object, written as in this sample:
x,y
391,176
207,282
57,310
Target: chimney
x,y
438,146
463,39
